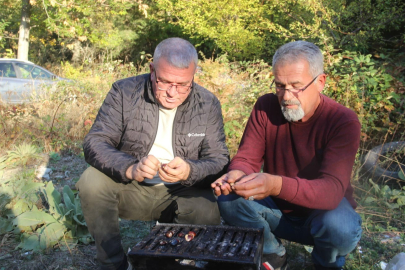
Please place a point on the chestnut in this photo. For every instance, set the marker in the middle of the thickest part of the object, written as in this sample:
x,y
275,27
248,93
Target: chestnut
x,y
162,242
190,236
180,234
169,234
193,233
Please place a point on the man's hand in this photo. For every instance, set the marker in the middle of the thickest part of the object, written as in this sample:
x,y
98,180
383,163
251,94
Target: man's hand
x,y
174,171
258,185
146,168
223,185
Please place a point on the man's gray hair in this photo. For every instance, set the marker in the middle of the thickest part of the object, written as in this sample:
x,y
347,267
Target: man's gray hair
x,y
297,50
177,52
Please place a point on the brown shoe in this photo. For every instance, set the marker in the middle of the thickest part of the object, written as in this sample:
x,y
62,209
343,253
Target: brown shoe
x,y
274,262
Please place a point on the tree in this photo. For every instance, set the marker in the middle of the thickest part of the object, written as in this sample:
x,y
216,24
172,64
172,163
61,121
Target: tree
x,y
24,32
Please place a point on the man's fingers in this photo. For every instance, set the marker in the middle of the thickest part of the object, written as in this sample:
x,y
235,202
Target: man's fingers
x,y
248,185
169,170
145,169
219,181
217,191
151,162
167,177
234,176
246,178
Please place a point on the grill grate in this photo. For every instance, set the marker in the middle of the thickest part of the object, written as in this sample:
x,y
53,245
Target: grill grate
x,y
220,246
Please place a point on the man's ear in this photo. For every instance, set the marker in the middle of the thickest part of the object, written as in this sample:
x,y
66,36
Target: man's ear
x,y
151,68
321,82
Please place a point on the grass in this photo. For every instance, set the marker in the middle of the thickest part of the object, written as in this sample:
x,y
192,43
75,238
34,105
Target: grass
x,y
55,124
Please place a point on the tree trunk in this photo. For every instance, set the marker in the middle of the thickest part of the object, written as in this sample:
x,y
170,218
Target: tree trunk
x,y
24,33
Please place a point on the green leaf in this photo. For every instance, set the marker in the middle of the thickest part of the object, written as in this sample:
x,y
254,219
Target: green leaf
x,y
29,242
51,234
401,175
79,219
78,206
68,242
21,206
53,198
31,187
83,235
369,200
33,218
6,225
68,198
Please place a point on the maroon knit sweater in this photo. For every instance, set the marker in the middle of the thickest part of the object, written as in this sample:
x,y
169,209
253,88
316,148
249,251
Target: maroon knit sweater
x,y
315,158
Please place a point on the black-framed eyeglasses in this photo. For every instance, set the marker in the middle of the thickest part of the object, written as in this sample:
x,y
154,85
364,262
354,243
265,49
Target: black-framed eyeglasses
x,y
281,90
163,86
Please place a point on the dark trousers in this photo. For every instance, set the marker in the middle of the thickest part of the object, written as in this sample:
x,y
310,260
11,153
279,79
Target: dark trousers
x,y
104,201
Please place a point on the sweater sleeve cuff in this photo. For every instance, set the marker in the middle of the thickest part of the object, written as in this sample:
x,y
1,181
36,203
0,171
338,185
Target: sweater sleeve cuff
x,y
246,169
289,189
123,173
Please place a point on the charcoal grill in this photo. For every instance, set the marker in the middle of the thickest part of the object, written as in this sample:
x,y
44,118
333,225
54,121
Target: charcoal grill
x,y
218,247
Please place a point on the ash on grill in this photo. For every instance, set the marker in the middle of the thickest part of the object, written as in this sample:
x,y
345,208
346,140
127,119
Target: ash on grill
x,y
221,247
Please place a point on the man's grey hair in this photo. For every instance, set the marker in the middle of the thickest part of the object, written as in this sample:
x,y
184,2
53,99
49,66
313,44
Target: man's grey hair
x,y
297,50
177,52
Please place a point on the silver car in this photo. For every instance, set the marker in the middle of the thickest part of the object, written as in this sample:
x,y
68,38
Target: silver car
x,y
19,79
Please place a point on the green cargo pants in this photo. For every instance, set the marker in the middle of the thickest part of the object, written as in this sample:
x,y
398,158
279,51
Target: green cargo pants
x,y
104,201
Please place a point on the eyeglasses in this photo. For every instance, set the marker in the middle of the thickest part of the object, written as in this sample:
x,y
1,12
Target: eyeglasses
x,y
280,90
181,89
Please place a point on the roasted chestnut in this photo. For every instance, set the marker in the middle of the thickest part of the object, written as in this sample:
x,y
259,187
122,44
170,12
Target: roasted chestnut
x,y
162,242
169,234
180,234
190,236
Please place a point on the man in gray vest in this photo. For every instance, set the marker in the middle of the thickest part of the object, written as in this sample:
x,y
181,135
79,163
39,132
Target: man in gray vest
x,y
155,146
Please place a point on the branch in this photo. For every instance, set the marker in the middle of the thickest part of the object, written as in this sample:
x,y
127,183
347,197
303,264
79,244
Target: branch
x,y
7,37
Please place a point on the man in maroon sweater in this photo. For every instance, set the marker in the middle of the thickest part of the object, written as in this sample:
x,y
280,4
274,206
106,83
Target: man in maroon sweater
x,y
307,145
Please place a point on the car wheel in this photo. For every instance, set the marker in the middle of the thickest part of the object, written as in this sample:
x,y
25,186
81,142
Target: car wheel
x,y
380,172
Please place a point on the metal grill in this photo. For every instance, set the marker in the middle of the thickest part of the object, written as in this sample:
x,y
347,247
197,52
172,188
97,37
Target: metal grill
x,y
221,247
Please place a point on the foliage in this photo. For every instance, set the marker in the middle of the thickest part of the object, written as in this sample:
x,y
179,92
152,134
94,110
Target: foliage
x,y
232,24
79,29
22,154
54,157
385,196
61,222
254,29
362,84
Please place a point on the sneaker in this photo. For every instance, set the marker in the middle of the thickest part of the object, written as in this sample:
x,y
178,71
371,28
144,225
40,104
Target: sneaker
x,y
274,262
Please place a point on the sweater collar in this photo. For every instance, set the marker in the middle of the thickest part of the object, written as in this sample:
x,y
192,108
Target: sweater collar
x,y
317,113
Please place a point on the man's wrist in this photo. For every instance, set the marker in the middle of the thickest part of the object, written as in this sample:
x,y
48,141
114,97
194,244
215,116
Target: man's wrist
x,y
128,173
278,184
188,171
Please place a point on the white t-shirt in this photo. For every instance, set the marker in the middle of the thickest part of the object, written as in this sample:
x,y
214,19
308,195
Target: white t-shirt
x,y
162,147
